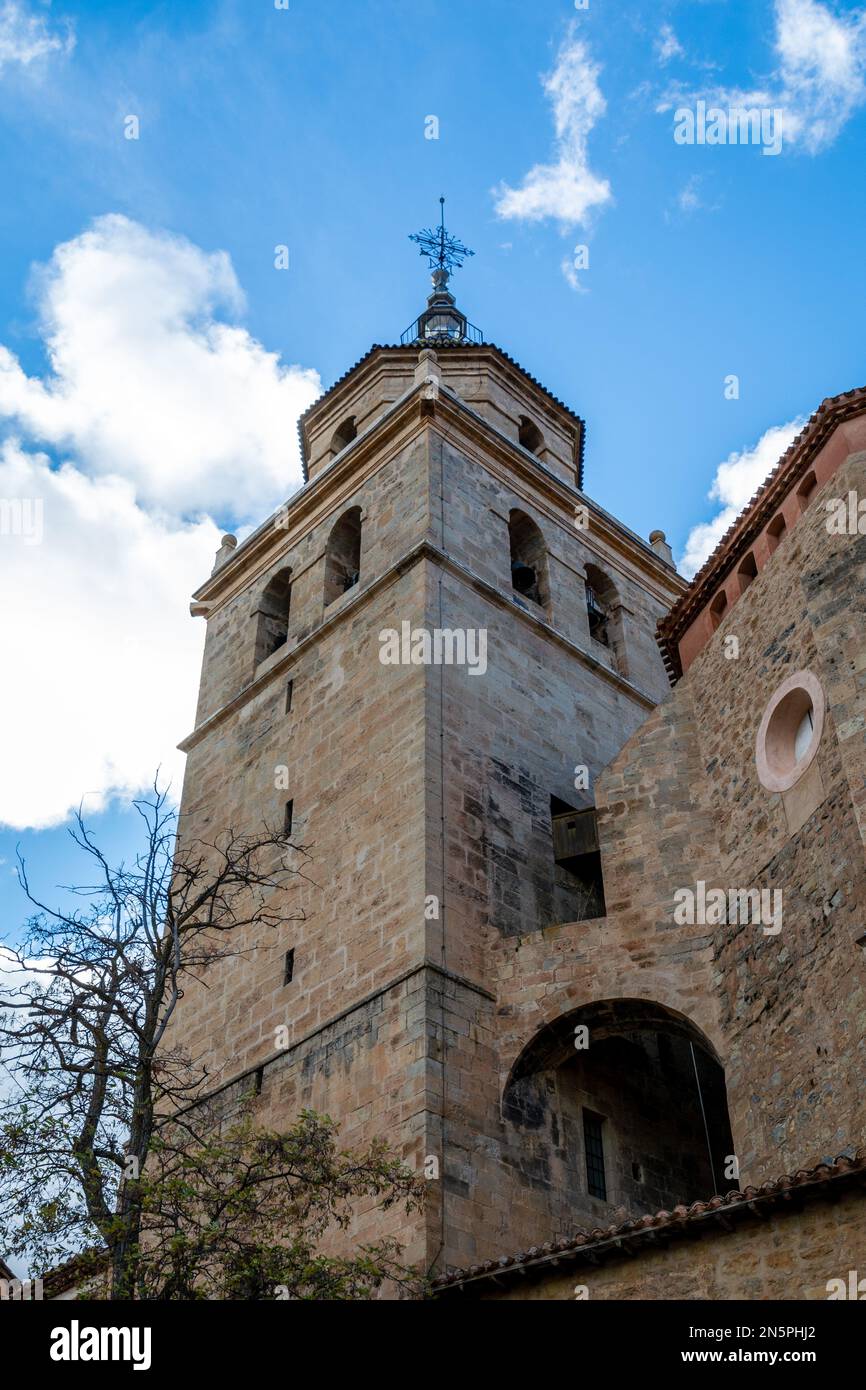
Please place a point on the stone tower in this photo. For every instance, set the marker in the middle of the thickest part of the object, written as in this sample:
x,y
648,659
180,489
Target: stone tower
x,y
443,641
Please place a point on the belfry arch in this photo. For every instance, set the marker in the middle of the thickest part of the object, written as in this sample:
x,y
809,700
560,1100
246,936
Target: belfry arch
x,y
619,1104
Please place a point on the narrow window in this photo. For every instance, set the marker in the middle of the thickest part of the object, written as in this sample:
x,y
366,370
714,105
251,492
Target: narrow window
x,y
272,618
343,436
594,1149
289,691
287,818
289,971
530,435
748,570
718,608
806,491
637,1172
604,615
597,617
528,559
776,532
343,556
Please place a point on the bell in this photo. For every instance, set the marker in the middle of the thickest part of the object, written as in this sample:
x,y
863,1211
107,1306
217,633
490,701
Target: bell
x,y
523,577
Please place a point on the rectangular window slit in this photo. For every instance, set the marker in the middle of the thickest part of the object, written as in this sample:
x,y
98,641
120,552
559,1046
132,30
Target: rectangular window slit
x,y
289,689
287,818
594,1149
289,970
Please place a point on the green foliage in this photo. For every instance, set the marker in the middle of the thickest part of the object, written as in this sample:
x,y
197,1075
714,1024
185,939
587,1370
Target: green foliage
x,y
245,1214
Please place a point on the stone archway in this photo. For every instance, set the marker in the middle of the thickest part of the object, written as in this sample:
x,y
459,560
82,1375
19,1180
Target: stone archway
x,y
619,1106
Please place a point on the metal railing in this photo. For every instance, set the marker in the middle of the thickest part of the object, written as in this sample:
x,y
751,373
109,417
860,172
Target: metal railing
x,y
417,333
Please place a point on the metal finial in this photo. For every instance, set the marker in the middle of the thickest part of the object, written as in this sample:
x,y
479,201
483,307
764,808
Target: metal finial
x,y
444,253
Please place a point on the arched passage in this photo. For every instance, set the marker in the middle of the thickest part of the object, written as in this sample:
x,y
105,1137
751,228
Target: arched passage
x,y
620,1103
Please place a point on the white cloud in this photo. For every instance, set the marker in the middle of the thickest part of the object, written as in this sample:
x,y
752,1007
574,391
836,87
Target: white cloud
x,y
166,415
823,63
735,484
691,199
565,189
819,81
667,45
100,655
25,37
147,382
569,270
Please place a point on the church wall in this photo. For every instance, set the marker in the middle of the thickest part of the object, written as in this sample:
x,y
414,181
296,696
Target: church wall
x,y
366,397
500,745
682,803
795,1034
636,951
353,749
503,398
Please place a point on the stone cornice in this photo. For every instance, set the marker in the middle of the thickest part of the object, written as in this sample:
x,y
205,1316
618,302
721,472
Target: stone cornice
x,y
425,965
424,550
379,355
398,426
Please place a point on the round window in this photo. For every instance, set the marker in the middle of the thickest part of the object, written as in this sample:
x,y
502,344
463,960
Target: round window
x,y
804,734
790,732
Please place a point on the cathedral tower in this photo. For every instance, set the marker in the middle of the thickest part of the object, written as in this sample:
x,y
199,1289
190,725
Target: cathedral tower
x,y
421,664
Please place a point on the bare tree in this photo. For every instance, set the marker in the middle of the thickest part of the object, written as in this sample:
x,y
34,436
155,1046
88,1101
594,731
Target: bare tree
x,y
93,1080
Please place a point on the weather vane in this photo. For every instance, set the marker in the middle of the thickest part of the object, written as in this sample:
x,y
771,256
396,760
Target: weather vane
x,y
444,253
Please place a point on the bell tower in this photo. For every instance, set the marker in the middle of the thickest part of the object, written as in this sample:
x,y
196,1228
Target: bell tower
x,y
441,640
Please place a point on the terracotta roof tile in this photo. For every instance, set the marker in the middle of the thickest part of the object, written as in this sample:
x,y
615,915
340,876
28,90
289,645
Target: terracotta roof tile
x,y
673,1222
795,461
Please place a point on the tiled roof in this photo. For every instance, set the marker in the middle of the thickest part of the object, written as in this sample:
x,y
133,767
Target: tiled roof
x,y
630,1237
79,1270
795,462
446,347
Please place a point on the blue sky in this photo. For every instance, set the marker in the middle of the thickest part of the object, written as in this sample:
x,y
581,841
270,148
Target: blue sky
x,y
153,360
